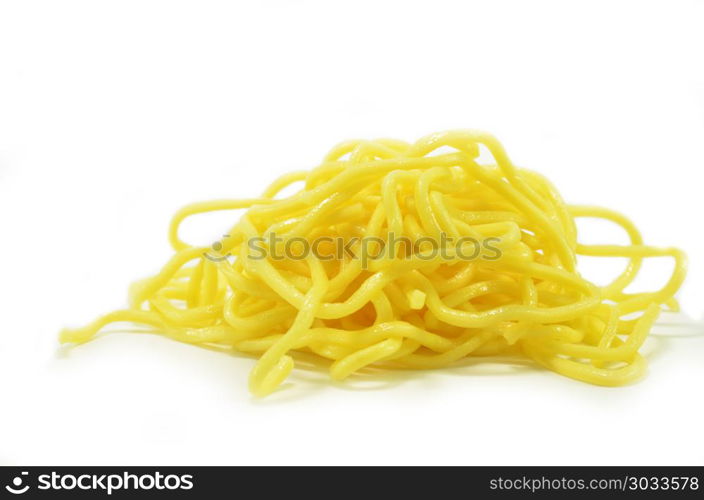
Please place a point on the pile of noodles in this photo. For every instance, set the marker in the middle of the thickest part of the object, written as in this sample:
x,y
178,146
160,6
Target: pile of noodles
x,y
278,284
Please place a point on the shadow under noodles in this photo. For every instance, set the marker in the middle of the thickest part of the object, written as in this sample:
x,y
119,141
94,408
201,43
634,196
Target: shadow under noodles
x,y
677,326
667,330
312,371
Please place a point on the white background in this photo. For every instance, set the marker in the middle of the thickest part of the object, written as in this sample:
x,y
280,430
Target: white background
x,y
114,114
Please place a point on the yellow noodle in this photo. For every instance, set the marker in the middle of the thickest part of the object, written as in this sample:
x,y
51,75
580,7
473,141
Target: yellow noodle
x,y
408,306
